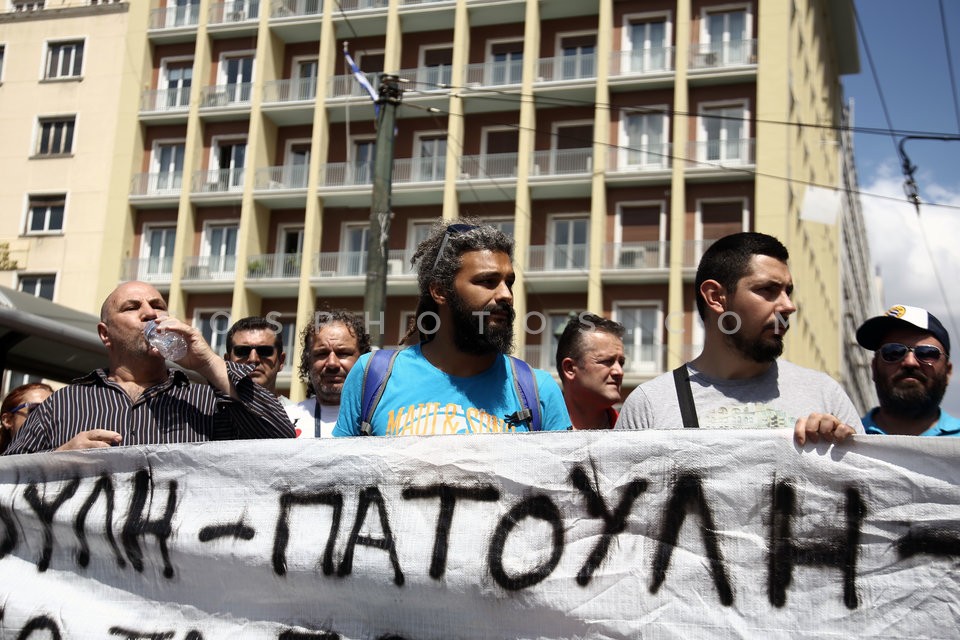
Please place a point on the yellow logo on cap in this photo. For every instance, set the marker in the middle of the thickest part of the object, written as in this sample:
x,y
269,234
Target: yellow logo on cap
x,y
897,312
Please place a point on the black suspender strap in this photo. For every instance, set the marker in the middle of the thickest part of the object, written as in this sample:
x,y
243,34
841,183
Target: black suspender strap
x,y
688,410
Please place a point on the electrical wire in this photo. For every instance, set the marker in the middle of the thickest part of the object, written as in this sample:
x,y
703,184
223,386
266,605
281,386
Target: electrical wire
x,y
953,75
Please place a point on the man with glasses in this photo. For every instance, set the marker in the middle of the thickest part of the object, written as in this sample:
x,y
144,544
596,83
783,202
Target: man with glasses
x,y
457,377
744,290
137,400
258,341
911,369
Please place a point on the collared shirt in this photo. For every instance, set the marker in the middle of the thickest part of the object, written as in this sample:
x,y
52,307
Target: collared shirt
x,y
947,425
173,411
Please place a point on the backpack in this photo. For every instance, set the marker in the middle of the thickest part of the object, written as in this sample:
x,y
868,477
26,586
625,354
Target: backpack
x,y
380,365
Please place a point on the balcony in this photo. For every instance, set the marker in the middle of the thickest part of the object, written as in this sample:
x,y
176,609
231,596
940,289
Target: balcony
x,y
550,257
166,100
280,178
292,90
348,87
719,55
347,6
353,264
562,162
155,270
636,256
641,164
166,186
218,181
567,68
489,166
226,95
656,60
173,17
707,155
215,269
494,74
426,79
295,8
234,12
274,266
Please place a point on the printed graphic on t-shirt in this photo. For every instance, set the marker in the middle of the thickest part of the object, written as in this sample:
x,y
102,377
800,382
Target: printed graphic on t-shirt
x,y
435,418
750,415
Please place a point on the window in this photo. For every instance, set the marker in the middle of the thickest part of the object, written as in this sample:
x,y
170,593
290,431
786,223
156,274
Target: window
x,y
168,166
238,73
719,219
179,77
362,163
648,45
64,59
499,151
353,251
290,246
572,148
229,160
578,53
297,164
38,285
722,131
20,6
56,136
568,245
157,253
642,339
645,140
46,214
726,35
213,327
220,249
436,68
506,63
305,86
642,227
431,157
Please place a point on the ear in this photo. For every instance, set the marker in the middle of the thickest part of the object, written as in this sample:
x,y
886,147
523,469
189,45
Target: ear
x,y
281,360
714,295
873,368
437,293
102,332
5,420
949,370
226,356
568,369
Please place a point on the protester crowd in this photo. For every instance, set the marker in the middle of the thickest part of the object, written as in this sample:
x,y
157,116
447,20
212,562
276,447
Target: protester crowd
x,y
454,373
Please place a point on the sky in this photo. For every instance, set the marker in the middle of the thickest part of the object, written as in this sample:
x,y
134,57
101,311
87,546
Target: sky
x,y
917,255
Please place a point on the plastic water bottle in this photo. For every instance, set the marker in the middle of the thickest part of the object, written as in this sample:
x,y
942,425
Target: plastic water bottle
x,y
171,345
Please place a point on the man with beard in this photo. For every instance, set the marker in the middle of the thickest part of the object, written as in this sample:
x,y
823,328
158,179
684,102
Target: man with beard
x,y
457,377
738,381
331,345
138,400
911,368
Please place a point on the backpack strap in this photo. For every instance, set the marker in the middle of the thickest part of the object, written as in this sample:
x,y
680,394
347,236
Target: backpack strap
x,y
525,384
375,377
688,410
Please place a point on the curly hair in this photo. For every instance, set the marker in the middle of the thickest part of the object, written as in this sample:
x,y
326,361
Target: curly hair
x,y
438,258
321,318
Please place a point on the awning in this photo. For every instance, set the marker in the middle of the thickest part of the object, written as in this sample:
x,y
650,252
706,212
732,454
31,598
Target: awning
x,y
46,339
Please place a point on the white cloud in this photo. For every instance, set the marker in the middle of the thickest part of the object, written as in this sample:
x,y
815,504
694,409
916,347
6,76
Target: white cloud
x,y
909,266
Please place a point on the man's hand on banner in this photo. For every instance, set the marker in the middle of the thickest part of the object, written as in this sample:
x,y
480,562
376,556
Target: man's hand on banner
x,y
821,425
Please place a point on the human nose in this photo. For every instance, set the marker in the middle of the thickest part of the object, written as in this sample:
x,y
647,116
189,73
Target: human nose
x,y
910,360
504,293
332,362
787,305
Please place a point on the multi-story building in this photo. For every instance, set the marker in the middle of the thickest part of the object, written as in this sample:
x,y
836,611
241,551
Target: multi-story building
x,y
614,139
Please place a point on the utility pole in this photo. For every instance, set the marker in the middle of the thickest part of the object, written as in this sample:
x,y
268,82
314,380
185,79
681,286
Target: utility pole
x,y
375,293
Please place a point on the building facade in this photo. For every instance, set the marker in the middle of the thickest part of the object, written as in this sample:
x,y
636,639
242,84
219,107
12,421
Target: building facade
x,y
613,139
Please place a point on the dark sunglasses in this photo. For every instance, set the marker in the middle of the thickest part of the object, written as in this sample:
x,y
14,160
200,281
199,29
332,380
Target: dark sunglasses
x,y
453,229
29,406
893,352
243,350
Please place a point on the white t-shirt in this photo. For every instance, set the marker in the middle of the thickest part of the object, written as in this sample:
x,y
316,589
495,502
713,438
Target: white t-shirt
x,y
304,418
774,399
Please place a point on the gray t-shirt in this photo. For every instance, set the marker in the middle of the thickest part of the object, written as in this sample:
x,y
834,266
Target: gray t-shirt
x,y
777,398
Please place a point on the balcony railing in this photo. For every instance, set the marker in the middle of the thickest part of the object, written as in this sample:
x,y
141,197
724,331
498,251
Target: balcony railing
x,y
157,184
292,8
347,86
165,99
217,180
491,165
414,2
557,258
561,162
578,67
274,265
293,90
738,152
234,11
209,268
225,95
494,74
628,256
354,263
715,55
641,61
642,158
171,17
423,79
346,174
283,177
360,5
157,269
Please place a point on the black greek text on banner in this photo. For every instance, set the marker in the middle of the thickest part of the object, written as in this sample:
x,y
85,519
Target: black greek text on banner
x,y
670,534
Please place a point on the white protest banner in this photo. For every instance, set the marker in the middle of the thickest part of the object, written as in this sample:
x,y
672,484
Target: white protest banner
x,y
668,534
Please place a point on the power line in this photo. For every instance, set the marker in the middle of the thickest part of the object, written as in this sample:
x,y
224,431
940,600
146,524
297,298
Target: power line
x,y
876,80
953,76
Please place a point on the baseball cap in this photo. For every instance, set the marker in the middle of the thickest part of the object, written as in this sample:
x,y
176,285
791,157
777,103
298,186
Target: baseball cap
x,y
871,333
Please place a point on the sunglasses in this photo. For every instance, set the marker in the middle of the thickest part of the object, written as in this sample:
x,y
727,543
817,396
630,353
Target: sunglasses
x,y
453,229
893,352
242,351
29,406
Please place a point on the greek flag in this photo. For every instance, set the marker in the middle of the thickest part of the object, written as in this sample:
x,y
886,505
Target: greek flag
x,y
362,79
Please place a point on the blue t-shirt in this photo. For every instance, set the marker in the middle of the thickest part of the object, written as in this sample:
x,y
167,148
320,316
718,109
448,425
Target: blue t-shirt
x,y
947,425
419,399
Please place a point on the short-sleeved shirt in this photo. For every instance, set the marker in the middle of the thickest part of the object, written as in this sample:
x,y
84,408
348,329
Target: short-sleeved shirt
x,y
947,425
776,398
419,399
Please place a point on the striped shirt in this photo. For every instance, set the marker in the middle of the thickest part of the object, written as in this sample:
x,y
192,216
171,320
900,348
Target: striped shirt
x,y
173,411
